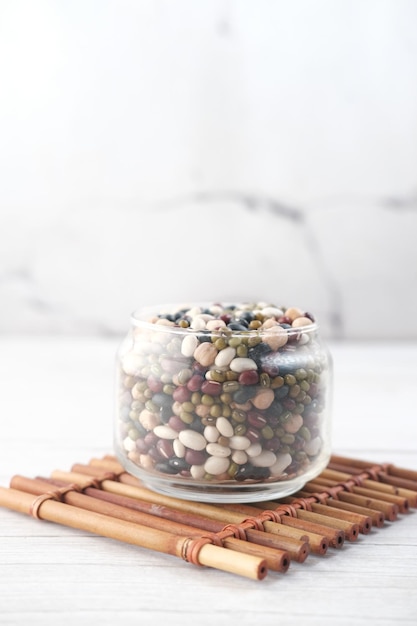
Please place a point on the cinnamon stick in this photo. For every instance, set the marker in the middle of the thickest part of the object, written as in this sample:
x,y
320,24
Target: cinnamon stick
x,y
161,541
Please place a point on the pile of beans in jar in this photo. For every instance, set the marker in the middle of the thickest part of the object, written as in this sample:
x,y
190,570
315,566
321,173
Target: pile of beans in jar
x,y
223,393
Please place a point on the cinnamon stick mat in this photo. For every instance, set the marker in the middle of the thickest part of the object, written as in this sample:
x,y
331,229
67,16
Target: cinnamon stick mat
x,y
350,497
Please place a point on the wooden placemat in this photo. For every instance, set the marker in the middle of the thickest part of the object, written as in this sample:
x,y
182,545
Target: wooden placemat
x,y
351,497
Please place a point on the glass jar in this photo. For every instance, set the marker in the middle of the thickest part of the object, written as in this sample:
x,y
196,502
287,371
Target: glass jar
x,y
223,402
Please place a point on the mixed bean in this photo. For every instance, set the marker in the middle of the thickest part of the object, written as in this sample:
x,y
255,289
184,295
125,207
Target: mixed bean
x,y
223,393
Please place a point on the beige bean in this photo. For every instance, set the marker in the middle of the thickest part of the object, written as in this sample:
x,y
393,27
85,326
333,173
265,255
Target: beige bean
x,y
205,353
293,424
263,398
148,420
293,312
301,321
275,337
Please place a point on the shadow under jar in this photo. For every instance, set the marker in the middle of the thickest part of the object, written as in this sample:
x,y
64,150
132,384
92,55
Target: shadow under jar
x,y
223,402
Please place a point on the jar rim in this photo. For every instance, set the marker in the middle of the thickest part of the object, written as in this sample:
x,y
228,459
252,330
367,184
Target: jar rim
x,y
139,316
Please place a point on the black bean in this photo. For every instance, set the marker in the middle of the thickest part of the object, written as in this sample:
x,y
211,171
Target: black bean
x,y
282,392
165,413
248,471
162,399
178,464
236,326
275,409
257,352
248,316
166,468
244,394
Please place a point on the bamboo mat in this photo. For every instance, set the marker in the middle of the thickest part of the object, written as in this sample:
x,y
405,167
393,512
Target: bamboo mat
x,y
351,497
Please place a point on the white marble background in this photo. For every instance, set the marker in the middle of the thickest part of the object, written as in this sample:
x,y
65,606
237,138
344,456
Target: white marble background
x,y
164,150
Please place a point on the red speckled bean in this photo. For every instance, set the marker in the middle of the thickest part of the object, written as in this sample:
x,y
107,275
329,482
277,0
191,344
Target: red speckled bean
x,y
195,457
141,446
253,435
154,454
176,423
211,388
249,377
256,419
182,394
195,382
165,448
150,439
154,384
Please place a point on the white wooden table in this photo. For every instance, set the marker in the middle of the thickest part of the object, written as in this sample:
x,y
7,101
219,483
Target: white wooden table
x,y
56,408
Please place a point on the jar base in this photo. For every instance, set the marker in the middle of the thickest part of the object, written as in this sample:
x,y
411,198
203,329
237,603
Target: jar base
x,y
223,493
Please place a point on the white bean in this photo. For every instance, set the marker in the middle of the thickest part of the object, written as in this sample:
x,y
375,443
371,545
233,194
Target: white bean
x,y
271,311
216,465
215,449
165,432
189,344
225,356
254,450
197,472
179,448
129,444
312,447
192,439
211,434
266,459
239,457
132,363
241,364
283,461
224,427
198,323
239,442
